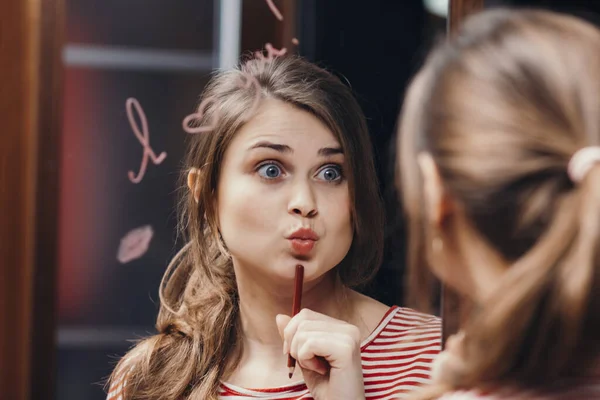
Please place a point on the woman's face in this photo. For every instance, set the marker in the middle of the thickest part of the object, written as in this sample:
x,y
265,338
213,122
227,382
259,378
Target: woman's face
x,y
283,196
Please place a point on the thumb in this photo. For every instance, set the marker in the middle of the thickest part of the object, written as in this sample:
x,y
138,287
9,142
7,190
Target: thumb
x,y
282,320
316,364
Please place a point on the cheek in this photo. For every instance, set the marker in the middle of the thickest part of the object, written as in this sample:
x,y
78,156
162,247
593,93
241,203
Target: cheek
x,y
339,228
443,264
338,219
245,213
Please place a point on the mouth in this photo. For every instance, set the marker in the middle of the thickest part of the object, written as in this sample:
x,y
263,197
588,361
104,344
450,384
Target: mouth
x,y
303,241
302,246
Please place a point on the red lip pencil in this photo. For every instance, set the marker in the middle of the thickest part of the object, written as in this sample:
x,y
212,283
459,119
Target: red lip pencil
x,y
296,306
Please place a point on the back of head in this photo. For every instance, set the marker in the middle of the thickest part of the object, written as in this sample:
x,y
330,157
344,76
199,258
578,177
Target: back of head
x,y
502,108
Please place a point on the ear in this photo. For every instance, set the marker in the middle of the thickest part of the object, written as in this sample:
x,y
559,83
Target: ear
x,y
437,201
193,182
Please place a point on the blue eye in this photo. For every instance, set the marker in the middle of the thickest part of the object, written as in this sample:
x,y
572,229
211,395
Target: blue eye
x,y
269,171
330,174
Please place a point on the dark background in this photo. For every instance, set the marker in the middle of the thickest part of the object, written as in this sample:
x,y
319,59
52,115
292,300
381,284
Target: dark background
x,y
377,46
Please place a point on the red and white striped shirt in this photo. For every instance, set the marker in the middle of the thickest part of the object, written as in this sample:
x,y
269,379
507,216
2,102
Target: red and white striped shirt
x,y
396,359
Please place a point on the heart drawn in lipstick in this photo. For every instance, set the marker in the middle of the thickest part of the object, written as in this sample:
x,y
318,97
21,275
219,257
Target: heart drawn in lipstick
x,y
197,116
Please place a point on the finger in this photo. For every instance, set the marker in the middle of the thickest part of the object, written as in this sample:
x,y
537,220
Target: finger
x,y
316,364
308,320
282,321
454,343
337,349
324,327
303,350
445,367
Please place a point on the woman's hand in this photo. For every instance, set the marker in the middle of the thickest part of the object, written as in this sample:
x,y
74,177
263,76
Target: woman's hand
x,y
449,363
328,351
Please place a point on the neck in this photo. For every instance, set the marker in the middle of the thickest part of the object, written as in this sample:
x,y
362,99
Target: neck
x,y
259,361
259,305
484,265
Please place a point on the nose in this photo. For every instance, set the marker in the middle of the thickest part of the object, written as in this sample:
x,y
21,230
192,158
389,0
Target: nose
x,y
303,202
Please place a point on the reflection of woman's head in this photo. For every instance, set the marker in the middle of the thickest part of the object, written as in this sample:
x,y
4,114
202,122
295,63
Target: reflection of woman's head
x,y
308,121
488,129
302,158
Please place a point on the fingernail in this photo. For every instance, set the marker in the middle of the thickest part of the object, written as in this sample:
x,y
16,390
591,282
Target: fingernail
x,y
285,345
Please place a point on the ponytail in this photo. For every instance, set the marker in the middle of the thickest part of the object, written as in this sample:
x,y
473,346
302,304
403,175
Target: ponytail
x,y
542,323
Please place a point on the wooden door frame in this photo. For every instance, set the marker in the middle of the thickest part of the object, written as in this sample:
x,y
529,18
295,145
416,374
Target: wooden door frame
x,y
31,38
31,34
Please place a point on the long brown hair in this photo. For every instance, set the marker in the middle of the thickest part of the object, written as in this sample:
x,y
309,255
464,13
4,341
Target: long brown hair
x,y
199,337
502,108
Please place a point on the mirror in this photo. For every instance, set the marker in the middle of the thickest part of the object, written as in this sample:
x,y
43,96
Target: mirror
x,y
116,80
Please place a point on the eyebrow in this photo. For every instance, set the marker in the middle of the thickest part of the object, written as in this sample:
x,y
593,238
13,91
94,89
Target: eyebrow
x,y
330,151
283,148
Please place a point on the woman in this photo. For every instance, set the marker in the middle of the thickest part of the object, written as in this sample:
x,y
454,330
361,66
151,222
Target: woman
x,y
500,172
285,181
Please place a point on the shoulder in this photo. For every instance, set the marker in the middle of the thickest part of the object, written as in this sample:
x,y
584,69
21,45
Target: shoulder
x,y
118,379
407,319
407,331
401,321
398,356
381,319
371,311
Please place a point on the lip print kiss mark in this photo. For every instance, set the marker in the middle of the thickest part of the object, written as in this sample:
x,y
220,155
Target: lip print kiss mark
x,y
197,116
143,136
135,244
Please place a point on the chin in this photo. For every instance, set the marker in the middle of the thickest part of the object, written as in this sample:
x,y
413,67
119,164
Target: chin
x,y
282,269
287,268
314,269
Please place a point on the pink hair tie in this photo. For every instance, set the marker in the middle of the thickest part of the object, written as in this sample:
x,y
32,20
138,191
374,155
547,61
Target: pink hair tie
x,y
582,162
